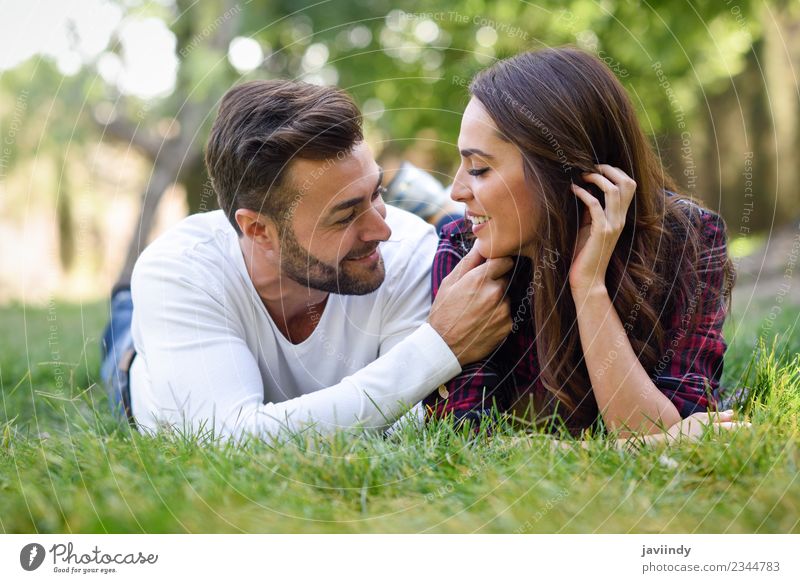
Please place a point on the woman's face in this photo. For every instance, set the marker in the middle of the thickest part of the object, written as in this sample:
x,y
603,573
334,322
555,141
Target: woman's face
x,y
491,183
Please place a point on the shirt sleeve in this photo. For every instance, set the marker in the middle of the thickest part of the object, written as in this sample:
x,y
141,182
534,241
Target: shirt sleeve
x,y
469,394
695,345
408,298
203,377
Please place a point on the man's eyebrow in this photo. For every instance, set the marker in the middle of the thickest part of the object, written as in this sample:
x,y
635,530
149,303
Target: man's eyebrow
x,y
356,201
467,152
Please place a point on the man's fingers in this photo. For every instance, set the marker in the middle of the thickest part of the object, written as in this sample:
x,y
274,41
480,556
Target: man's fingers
x,y
497,268
469,262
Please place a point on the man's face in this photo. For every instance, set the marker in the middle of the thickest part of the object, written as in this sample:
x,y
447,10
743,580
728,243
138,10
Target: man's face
x,y
329,240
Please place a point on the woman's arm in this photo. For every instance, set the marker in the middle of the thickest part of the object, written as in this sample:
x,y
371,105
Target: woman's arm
x,y
627,398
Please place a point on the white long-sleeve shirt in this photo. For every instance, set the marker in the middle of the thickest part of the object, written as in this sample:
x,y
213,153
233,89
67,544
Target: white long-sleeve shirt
x,y
209,355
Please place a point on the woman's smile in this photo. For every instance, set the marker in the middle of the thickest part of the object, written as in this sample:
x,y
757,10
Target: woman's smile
x,y
478,221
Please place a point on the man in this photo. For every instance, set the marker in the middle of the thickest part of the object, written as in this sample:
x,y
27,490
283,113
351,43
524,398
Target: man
x,y
304,302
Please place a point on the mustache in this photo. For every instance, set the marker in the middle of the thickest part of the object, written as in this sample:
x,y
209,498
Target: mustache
x,y
362,252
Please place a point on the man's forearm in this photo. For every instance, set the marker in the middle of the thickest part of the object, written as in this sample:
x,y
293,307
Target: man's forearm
x,y
371,398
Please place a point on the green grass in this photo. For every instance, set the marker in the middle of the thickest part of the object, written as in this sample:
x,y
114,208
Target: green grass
x,y
66,466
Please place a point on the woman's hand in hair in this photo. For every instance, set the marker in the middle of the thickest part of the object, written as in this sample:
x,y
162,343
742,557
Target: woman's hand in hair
x,y
600,227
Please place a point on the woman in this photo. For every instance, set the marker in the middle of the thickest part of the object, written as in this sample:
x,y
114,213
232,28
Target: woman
x,y
620,286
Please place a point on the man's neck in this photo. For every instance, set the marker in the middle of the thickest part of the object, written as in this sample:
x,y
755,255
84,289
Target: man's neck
x,y
294,308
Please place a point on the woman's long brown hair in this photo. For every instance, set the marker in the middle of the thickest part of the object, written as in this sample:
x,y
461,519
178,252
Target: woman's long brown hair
x,y
565,111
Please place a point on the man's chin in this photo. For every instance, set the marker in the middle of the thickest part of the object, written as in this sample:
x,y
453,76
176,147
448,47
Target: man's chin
x,y
361,277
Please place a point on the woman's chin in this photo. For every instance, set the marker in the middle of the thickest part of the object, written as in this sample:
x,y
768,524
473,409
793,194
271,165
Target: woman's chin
x,y
489,251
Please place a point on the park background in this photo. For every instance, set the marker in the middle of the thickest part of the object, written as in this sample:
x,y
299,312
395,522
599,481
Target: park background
x,y
105,106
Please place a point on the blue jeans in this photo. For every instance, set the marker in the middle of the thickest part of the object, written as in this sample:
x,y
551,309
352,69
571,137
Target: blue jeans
x,y
117,353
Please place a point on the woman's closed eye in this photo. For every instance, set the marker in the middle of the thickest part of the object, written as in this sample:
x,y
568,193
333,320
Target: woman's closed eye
x,y
477,171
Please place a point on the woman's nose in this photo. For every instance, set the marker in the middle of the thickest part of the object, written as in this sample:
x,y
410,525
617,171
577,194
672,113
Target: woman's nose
x,y
460,191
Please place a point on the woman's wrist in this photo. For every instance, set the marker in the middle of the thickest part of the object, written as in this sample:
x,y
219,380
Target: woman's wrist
x,y
582,294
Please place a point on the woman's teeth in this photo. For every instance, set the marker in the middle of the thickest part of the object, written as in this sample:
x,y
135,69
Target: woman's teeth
x,y
477,220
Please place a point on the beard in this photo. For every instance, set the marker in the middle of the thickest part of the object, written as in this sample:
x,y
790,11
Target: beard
x,y
300,266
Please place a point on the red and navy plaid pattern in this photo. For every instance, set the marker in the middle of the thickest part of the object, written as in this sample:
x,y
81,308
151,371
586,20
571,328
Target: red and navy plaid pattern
x,y
688,374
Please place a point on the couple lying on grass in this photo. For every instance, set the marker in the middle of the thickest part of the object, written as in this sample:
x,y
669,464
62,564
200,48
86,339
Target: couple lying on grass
x,y
580,290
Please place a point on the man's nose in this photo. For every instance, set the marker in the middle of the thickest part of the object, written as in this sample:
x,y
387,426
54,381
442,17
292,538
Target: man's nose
x,y
374,225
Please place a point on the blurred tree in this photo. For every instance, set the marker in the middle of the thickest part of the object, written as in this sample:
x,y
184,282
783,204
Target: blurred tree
x,y
691,69
43,101
171,133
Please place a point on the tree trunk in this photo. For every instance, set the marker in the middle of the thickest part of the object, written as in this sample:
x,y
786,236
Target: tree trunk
x,y
66,231
180,159
162,178
200,194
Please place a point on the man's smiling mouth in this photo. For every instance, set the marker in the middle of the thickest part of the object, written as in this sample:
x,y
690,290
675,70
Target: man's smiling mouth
x,y
367,255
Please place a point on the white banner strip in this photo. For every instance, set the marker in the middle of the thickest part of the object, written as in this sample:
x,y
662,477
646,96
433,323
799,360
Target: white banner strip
x,y
400,558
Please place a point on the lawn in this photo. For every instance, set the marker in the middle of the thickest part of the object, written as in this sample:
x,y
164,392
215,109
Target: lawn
x,y
66,466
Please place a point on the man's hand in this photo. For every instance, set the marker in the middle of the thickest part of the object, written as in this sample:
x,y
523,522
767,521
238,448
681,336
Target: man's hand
x,y
471,312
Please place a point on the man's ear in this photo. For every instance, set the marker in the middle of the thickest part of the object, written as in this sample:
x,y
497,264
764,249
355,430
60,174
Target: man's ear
x,y
259,228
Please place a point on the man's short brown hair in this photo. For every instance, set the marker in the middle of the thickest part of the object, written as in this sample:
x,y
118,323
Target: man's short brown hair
x,y
261,127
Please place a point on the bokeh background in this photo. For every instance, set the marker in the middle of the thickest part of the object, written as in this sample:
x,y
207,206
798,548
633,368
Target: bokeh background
x,y
105,107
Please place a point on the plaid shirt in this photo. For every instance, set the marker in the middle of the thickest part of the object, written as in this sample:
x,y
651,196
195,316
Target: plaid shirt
x,y
688,374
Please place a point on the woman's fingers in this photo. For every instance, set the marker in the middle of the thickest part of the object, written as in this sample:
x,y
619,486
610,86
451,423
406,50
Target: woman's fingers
x,y
619,189
731,425
709,415
626,184
611,192
721,415
595,209
600,181
613,207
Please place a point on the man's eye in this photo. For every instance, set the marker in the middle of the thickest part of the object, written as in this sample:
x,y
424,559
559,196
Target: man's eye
x,y
347,219
380,191
477,171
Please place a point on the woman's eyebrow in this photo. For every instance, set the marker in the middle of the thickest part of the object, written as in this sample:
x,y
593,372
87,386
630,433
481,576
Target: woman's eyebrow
x,y
467,152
